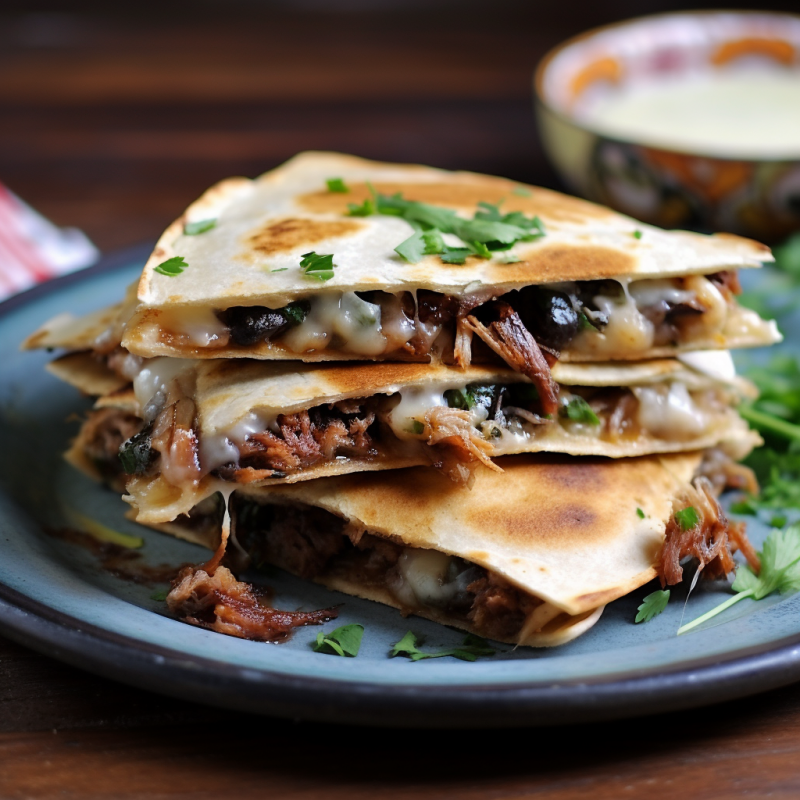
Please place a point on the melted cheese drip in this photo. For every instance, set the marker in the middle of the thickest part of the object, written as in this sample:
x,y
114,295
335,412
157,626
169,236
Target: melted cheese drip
x,y
670,414
198,325
150,383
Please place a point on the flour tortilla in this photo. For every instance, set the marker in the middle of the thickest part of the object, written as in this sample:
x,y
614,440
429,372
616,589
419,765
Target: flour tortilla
x,y
264,226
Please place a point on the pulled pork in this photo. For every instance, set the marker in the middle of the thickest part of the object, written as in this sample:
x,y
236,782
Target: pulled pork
x,y
101,437
305,439
512,341
499,609
712,541
221,603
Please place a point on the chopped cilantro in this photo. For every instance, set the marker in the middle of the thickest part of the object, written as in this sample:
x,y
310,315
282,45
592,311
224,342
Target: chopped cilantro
x,y
585,323
472,647
780,572
640,513
459,398
455,255
687,518
136,454
578,410
344,641
294,313
637,234
416,427
412,249
160,595
172,266
652,605
521,191
337,185
317,266
203,225
366,209
280,269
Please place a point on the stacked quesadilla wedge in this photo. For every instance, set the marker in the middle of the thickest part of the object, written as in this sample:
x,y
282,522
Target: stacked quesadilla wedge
x,y
503,366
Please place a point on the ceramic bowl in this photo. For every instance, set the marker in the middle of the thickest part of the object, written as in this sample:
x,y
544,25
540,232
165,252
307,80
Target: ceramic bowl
x,y
715,189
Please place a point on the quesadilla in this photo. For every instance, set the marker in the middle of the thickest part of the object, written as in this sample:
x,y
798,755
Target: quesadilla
x,y
190,428
527,557
398,262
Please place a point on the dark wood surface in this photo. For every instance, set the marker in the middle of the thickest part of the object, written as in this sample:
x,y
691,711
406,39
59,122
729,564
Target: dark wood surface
x,y
113,122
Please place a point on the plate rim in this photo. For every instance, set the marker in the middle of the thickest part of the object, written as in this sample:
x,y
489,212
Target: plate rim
x,y
54,633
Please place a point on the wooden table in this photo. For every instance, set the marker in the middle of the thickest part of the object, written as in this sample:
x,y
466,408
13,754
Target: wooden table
x,y
113,124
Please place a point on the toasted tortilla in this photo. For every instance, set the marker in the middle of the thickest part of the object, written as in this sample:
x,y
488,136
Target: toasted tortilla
x,y
264,226
227,393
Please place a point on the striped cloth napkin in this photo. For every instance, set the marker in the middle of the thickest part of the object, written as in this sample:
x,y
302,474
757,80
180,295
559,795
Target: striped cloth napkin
x,y
32,249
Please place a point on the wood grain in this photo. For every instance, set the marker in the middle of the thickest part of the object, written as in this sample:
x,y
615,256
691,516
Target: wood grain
x,y
113,118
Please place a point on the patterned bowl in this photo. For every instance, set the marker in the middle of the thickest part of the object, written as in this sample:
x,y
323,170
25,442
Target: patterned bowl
x,y
670,184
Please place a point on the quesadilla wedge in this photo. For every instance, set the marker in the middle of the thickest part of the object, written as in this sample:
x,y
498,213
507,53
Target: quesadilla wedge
x,y
398,262
527,557
190,428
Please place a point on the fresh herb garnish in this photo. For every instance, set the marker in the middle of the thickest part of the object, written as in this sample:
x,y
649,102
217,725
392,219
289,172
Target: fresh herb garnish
x,y
172,266
585,323
637,234
687,518
487,232
344,641
136,454
203,225
294,313
280,269
365,209
472,647
317,266
578,410
160,595
416,427
640,513
780,572
652,605
337,185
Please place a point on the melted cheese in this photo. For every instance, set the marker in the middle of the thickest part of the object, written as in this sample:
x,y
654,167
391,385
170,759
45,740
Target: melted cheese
x,y
416,401
669,413
199,326
150,383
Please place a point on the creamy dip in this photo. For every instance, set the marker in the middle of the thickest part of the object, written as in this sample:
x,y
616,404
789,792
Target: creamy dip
x,y
753,114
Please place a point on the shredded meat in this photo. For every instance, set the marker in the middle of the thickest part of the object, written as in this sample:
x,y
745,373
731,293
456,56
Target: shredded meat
x,y
725,473
452,427
103,433
221,603
175,439
305,440
727,282
709,541
499,609
462,349
512,341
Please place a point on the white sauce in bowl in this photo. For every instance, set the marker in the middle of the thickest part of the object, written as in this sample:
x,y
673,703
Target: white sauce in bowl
x,y
735,113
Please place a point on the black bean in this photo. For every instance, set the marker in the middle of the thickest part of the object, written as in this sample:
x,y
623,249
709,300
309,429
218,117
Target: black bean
x,y
251,324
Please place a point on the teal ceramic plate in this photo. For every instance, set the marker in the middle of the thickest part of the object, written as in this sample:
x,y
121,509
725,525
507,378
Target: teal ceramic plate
x,y
56,599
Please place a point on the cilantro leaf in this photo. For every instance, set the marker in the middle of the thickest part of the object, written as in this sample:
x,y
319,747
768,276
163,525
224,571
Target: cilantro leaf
x,y
652,605
455,255
637,234
195,228
344,641
578,410
412,249
780,572
172,266
472,647
337,185
136,454
317,266
687,518
366,209
160,595
640,513
416,427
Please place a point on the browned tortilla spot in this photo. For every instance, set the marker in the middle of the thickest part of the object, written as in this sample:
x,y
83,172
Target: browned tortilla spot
x,y
550,206
565,263
290,234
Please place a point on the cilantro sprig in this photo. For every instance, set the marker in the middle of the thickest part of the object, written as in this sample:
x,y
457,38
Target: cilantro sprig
x,y
780,572
488,232
201,226
172,266
652,605
470,650
317,266
344,641
337,185
578,410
